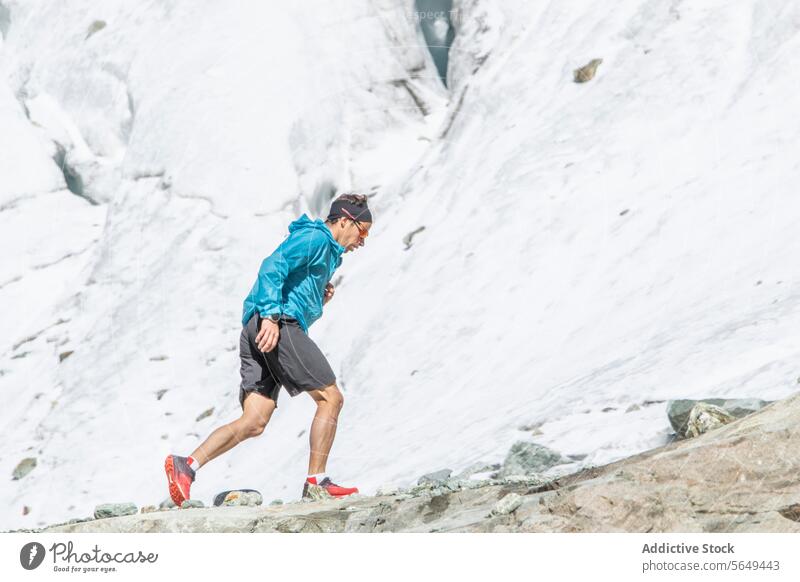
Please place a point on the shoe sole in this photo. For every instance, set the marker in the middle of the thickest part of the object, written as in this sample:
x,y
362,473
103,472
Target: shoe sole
x,y
174,489
325,494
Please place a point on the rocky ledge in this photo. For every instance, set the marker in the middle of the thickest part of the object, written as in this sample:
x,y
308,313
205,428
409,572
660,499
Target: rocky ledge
x,y
740,477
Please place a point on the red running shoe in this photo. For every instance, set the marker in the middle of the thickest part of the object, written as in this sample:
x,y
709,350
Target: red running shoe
x,y
326,488
180,477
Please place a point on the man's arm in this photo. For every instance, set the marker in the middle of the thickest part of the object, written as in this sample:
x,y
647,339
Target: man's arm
x,y
293,253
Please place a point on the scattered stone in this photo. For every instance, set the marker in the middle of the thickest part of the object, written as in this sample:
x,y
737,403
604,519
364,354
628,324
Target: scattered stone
x,y
527,458
508,504
435,477
633,407
705,417
276,502
479,467
94,27
388,490
192,503
791,512
25,510
160,393
532,426
529,479
587,72
317,493
114,510
205,414
168,503
624,212
245,497
148,509
24,467
608,409
158,358
64,355
678,411
80,520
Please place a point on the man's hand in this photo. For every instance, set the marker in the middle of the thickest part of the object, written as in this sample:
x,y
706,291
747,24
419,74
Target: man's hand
x,y
268,335
329,290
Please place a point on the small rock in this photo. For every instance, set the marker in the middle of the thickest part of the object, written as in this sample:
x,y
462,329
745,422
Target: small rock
x,y
24,467
587,72
526,458
25,510
276,502
168,503
388,490
481,466
64,355
633,408
192,503
242,498
508,504
95,27
148,509
317,493
205,414
410,237
114,510
80,520
435,477
705,417
158,358
160,393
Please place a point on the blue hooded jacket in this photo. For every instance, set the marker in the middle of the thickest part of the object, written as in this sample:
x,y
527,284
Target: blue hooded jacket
x,y
291,281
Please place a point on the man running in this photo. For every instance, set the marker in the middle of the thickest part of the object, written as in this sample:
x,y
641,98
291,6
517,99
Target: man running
x,y
293,284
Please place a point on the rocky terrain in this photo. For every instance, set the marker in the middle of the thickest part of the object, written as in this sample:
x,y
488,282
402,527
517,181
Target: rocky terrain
x,y
739,477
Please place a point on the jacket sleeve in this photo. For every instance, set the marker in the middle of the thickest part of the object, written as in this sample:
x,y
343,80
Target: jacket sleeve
x,y
295,252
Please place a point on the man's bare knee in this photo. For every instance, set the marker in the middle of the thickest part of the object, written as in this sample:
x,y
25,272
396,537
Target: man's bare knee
x,y
252,426
329,398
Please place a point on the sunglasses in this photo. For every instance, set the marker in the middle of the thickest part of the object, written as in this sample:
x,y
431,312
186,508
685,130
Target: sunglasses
x,y
362,232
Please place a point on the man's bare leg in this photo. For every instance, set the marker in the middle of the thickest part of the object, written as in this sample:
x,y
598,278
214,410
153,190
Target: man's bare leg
x,y
257,411
323,428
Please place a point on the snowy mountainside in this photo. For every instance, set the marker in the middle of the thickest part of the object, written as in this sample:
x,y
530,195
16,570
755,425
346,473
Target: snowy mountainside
x,y
586,247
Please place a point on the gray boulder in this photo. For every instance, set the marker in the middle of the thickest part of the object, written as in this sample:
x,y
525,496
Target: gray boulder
x,y
678,411
190,503
528,458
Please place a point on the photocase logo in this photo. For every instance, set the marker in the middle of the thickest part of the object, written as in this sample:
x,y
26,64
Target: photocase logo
x,y
31,555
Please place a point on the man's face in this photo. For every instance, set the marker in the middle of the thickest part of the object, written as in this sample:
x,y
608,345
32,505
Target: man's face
x,y
353,234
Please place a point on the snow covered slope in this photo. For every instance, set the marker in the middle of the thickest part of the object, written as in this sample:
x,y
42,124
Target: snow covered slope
x,y
586,247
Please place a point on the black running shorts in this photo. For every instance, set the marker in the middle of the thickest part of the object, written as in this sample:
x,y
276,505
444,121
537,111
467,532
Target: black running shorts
x,y
296,363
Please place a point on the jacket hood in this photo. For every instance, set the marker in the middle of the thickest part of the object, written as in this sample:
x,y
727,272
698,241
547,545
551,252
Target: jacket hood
x,y
305,222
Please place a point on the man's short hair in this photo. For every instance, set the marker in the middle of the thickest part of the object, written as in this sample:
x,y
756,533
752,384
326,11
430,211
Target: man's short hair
x,y
355,204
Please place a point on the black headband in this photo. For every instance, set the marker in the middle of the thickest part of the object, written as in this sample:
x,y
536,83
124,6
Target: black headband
x,y
360,213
